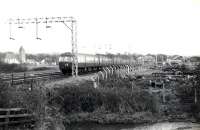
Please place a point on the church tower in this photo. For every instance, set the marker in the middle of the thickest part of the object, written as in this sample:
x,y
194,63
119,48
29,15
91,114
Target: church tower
x,y
22,55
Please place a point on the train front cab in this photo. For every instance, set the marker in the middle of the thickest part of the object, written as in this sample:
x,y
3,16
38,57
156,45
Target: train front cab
x,y
65,64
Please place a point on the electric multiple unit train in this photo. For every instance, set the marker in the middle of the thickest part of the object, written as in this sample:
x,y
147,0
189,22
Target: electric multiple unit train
x,y
89,62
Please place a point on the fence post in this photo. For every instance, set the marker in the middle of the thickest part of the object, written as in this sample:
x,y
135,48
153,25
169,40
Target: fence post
x,y
118,72
94,82
127,69
108,72
195,95
7,119
24,77
112,70
12,79
106,76
163,92
102,74
31,84
97,79
105,73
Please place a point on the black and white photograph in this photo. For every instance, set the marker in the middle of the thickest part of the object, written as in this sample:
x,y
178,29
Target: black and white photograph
x,y
100,65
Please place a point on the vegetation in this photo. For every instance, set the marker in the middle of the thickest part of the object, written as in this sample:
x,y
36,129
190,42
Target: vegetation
x,y
185,91
109,98
113,98
196,84
23,97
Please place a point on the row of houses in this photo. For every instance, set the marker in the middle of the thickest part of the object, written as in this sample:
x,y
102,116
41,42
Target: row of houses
x,y
11,57
161,60
22,58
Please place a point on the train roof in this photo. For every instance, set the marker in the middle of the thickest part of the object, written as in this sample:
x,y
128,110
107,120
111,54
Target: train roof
x,y
70,54
103,55
66,54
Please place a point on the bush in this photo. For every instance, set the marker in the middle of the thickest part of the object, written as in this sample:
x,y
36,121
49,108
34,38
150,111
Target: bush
x,y
4,96
22,97
115,98
79,99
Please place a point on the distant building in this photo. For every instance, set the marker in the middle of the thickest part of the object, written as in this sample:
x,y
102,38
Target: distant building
x,y
11,58
32,61
175,60
147,59
22,55
2,57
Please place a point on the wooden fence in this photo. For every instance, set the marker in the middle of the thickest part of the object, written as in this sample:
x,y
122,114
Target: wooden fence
x,y
15,116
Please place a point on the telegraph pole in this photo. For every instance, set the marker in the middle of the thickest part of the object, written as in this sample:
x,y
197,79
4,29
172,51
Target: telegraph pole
x,y
69,22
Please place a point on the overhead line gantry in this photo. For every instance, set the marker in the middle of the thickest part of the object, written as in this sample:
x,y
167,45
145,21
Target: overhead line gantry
x,y
69,22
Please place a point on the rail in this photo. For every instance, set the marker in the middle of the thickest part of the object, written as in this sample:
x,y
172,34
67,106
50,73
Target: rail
x,y
16,79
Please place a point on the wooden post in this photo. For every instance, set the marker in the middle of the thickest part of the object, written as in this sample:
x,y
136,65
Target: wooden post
x,y
163,92
102,74
31,84
106,76
195,95
109,72
12,79
24,77
132,86
128,69
7,119
94,82
51,76
97,80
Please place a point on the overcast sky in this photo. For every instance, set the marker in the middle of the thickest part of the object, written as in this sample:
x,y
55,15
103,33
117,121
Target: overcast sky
x,y
117,26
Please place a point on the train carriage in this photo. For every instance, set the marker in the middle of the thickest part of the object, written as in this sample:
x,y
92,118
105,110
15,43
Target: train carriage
x,y
88,62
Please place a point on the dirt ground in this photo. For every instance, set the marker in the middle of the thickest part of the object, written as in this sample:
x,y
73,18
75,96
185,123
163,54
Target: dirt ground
x,y
70,80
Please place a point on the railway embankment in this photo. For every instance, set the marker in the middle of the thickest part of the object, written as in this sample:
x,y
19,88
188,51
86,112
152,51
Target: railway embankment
x,y
123,101
115,101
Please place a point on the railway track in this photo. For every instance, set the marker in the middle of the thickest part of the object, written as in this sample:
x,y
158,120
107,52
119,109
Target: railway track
x,y
29,78
16,79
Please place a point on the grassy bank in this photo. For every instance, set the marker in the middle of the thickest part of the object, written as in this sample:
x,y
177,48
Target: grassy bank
x,y
117,100
23,96
114,101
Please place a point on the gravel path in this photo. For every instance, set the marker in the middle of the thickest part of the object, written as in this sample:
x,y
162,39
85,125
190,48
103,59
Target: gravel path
x,y
70,80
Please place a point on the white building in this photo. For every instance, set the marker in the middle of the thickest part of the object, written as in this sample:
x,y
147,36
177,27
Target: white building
x,y
11,58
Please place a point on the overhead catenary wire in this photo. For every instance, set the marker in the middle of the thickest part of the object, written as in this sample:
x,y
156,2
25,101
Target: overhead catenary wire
x,y
45,20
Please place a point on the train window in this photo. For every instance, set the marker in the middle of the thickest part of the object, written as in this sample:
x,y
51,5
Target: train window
x,y
81,58
90,59
67,59
62,59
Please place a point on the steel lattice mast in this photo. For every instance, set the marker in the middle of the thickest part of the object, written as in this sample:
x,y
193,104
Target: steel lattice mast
x,y
69,22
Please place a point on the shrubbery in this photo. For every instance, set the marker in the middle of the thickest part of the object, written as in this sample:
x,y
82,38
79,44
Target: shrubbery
x,y
23,97
112,97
